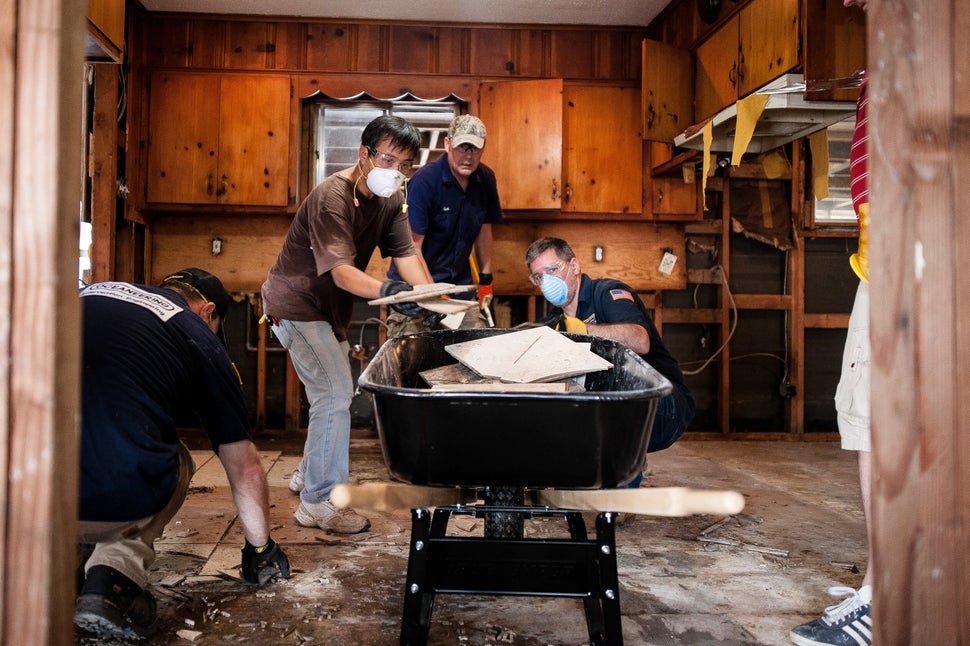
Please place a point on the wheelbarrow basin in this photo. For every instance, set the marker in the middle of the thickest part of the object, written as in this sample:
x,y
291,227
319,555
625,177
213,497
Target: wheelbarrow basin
x,y
576,440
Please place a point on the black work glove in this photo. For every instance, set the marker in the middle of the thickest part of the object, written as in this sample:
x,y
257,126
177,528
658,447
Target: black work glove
x,y
391,287
555,321
259,564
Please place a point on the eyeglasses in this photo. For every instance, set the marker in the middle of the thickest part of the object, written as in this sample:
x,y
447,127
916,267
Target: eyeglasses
x,y
467,149
548,270
390,161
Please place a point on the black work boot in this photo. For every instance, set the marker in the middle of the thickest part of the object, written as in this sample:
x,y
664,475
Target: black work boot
x,y
112,606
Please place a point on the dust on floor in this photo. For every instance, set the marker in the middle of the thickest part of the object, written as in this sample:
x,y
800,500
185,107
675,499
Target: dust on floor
x,y
744,579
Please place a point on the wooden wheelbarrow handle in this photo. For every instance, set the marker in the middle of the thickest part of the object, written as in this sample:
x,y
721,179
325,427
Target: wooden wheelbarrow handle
x,y
659,501
386,496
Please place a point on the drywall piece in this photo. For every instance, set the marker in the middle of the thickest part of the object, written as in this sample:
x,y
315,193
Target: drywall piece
x,y
535,355
422,293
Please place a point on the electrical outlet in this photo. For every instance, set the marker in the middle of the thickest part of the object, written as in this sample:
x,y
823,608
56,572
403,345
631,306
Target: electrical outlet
x,y
667,263
597,254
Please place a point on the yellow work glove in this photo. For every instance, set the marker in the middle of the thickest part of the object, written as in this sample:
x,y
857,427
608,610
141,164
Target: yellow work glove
x,y
860,259
573,325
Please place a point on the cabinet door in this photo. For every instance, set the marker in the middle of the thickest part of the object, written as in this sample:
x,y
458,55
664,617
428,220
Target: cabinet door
x,y
523,120
666,96
716,71
254,128
603,157
768,33
183,132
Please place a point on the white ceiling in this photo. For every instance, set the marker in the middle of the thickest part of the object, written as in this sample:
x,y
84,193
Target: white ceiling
x,y
637,13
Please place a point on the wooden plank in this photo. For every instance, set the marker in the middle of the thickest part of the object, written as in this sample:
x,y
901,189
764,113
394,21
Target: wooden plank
x,y
919,322
104,170
40,185
763,301
833,321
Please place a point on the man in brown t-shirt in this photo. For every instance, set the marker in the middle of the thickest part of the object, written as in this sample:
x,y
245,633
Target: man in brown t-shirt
x,y
308,297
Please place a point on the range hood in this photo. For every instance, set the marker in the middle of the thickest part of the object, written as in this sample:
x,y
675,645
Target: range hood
x,y
787,116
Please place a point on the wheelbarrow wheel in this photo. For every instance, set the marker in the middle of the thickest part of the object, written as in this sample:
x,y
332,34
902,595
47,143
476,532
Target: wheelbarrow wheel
x,y
502,524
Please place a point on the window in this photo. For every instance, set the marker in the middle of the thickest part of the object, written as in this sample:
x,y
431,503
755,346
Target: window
x,y
336,125
836,209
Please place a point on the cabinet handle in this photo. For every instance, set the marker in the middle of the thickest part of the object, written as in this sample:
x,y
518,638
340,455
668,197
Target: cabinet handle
x,y
650,116
555,190
208,184
223,186
660,197
741,69
731,74
568,193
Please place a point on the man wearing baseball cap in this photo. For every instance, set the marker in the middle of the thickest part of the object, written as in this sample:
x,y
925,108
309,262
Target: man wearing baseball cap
x,y
452,204
149,356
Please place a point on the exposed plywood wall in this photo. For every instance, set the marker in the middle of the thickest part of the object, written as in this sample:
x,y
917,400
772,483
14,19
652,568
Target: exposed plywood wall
x,y
631,252
249,244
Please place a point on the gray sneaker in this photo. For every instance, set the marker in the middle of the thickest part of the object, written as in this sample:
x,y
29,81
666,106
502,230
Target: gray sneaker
x,y
328,518
845,624
296,482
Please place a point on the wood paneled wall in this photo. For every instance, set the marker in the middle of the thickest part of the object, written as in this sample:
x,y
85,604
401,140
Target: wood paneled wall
x,y
386,60
180,41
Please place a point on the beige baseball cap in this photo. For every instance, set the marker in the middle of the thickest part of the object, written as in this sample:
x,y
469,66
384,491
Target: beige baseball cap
x,y
466,129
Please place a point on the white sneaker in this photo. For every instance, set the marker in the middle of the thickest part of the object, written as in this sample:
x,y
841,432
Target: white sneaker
x,y
327,517
296,482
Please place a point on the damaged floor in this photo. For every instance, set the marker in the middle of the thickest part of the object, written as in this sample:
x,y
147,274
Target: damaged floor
x,y
744,579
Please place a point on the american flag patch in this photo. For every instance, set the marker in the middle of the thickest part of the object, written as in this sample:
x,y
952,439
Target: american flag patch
x,y
621,294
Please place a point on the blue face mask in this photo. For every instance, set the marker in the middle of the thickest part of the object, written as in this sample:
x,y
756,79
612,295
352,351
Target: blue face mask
x,y
554,289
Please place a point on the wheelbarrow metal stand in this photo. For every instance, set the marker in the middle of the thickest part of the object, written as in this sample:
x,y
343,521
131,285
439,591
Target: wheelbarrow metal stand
x,y
575,567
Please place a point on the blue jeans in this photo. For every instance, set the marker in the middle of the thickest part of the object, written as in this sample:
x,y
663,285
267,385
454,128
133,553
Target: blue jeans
x,y
323,365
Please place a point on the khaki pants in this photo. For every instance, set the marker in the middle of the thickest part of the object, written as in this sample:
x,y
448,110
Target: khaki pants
x,y
129,546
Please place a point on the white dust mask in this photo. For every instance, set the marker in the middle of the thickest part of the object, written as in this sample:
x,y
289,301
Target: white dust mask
x,y
384,181
554,289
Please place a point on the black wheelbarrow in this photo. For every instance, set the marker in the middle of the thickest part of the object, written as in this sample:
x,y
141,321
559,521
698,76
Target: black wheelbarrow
x,y
525,455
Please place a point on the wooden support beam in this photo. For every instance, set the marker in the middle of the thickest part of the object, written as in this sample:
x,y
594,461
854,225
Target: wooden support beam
x,y
919,102
40,185
104,171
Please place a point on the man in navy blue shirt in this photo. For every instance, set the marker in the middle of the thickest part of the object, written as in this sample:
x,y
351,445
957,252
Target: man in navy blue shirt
x,y
610,309
150,356
452,204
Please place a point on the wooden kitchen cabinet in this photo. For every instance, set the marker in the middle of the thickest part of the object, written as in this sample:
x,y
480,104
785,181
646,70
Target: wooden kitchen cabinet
x,y
756,45
218,139
568,146
105,38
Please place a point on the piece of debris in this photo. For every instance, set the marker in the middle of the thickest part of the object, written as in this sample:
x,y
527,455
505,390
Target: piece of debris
x,y
188,635
851,567
719,524
747,546
465,523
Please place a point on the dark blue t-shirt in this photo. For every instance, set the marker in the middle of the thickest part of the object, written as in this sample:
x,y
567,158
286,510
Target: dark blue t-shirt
x,y
449,218
147,360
